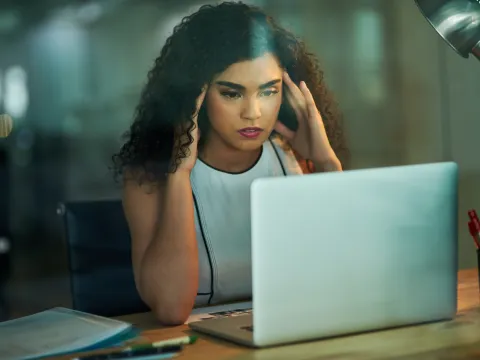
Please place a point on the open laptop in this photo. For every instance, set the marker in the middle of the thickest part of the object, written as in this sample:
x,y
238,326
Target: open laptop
x,y
342,253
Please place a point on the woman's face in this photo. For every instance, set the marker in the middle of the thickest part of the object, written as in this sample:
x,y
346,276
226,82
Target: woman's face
x,y
243,102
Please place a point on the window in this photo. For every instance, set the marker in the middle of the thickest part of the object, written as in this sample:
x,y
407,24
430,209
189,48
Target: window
x,y
15,92
369,54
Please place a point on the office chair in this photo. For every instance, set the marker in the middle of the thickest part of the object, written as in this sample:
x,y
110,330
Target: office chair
x,y
99,257
5,236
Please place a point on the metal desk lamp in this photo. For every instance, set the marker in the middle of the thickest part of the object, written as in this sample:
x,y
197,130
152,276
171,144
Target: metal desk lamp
x,y
457,22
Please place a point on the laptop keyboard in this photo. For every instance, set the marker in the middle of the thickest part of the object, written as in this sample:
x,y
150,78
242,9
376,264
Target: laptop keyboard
x,y
228,313
247,328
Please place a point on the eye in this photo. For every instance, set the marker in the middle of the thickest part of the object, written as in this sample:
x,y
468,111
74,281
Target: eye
x,y
230,94
270,92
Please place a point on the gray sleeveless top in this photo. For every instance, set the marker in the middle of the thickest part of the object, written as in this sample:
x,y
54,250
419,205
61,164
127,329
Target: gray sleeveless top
x,y
222,223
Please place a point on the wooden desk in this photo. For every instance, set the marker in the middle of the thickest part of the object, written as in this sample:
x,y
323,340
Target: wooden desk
x,y
457,339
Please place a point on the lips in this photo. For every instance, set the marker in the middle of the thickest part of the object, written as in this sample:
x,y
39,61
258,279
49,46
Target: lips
x,y
250,132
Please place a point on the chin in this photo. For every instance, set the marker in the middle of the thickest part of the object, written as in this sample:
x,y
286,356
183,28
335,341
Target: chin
x,y
250,145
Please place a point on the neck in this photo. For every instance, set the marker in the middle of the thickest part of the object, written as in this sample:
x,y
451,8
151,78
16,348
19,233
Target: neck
x,y
223,157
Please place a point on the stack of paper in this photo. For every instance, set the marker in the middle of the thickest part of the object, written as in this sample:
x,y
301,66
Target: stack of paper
x,y
59,331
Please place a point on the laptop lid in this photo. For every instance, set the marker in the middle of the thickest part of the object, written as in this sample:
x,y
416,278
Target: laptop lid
x,y
339,253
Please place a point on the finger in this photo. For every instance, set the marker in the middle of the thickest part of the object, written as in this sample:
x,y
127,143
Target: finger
x,y
296,108
199,102
294,97
182,128
201,97
288,80
297,98
284,130
293,89
311,107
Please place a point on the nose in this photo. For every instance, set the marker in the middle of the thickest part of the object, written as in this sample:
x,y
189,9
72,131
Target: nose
x,y
251,109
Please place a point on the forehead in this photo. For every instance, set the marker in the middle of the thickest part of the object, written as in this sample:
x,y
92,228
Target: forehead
x,y
253,72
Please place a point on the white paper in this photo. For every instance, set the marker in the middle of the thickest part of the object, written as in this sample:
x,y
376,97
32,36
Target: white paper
x,y
54,331
220,311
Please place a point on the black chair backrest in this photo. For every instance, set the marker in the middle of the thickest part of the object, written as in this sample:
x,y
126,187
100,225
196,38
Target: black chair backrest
x,y
101,274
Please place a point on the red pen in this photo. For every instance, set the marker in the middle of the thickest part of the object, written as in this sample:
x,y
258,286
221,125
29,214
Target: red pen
x,y
474,233
472,214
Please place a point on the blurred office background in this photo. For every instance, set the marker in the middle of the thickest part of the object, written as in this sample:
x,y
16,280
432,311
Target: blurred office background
x,y
71,73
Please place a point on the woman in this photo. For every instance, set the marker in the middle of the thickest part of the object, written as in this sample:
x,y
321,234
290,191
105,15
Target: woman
x,y
232,97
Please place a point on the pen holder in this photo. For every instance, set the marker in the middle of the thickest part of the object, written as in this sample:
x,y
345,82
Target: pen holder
x,y
478,267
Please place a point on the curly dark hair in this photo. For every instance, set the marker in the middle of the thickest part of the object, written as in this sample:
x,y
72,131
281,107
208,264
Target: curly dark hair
x,y
202,45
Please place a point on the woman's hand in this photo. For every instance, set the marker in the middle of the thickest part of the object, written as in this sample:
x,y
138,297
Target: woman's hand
x,y
188,162
310,140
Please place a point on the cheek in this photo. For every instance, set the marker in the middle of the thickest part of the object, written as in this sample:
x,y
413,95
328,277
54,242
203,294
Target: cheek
x,y
271,107
219,111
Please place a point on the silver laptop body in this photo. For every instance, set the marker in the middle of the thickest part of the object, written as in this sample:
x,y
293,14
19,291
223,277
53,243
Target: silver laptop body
x,y
342,253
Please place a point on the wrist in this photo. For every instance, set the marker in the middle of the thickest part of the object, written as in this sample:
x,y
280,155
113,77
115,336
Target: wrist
x,y
328,164
180,175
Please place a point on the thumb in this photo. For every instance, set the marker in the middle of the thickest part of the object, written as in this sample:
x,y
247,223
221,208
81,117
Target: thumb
x,y
283,130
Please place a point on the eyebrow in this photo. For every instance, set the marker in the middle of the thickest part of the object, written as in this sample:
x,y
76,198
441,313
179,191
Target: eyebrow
x,y
241,87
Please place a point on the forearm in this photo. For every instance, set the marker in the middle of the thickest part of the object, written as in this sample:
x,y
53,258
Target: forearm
x,y
169,271
329,165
